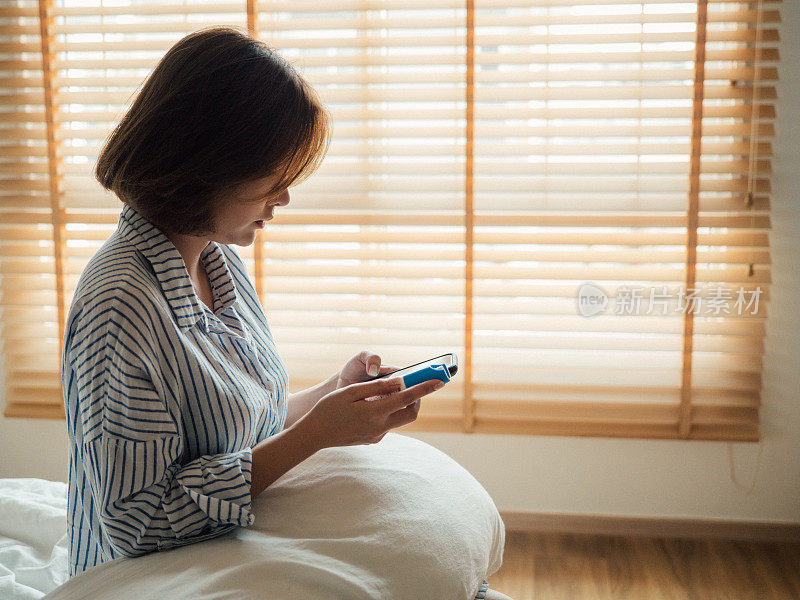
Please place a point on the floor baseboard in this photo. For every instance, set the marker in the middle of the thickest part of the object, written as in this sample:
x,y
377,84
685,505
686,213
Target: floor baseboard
x,y
760,531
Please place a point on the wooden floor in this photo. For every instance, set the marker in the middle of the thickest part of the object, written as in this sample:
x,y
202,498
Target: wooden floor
x,y
555,566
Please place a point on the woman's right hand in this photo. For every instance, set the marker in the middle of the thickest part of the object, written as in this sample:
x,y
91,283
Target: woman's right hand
x,y
362,413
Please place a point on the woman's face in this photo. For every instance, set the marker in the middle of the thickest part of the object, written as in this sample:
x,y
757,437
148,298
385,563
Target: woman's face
x,y
247,211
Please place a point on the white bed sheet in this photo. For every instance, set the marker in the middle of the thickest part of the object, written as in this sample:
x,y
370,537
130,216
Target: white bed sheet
x,y
396,520
33,543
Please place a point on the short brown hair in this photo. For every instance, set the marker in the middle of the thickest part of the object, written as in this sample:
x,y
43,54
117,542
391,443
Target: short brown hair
x,y
220,109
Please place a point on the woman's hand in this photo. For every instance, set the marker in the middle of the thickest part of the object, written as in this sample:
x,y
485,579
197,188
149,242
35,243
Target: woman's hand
x,y
362,367
362,413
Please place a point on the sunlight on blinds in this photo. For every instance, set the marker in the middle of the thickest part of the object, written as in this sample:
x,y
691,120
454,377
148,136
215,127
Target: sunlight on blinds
x,y
571,195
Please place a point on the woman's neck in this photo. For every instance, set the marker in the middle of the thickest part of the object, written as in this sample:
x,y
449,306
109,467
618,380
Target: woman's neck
x,y
190,248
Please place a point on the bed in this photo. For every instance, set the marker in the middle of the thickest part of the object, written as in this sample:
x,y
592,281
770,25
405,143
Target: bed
x,y
398,519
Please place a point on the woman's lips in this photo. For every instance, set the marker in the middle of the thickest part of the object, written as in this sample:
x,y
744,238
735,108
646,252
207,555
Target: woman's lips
x,y
261,223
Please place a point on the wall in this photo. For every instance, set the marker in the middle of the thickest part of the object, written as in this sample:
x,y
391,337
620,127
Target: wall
x,y
33,448
621,476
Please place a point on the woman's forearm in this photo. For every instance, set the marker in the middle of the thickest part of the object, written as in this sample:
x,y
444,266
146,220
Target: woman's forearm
x,y
277,454
301,402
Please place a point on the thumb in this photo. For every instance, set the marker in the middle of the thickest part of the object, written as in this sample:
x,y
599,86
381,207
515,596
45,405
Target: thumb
x,y
372,363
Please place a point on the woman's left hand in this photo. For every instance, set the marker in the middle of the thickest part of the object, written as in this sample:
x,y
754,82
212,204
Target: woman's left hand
x,y
363,366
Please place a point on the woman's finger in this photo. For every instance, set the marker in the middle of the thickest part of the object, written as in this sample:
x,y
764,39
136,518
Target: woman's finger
x,y
395,402
404,416
367,389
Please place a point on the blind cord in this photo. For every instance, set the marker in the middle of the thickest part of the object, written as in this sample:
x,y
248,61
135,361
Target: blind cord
x,y
737,484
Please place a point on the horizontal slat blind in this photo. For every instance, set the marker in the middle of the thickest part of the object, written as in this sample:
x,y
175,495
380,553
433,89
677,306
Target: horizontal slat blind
x,y
370,253
97,57
29,266
586,172
581,135
488,159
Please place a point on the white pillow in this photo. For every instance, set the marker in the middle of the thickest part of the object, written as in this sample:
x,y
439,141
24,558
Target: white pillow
x,y
395,520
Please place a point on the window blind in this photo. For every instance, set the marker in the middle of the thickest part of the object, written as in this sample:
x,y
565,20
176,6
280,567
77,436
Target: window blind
x,y
571,195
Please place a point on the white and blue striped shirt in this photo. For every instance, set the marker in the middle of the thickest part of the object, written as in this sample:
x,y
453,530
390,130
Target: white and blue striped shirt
x,y
164,398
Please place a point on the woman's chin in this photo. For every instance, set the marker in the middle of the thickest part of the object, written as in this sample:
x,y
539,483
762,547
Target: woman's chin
x,y
246,238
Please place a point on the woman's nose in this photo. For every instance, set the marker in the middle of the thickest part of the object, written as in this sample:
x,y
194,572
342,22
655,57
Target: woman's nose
x,y
283,199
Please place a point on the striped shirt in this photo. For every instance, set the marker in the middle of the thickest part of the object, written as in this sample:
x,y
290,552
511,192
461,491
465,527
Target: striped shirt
x,y
164,398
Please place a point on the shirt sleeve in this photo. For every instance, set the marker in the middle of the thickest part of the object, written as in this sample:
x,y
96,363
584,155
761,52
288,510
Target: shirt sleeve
x,y
148,498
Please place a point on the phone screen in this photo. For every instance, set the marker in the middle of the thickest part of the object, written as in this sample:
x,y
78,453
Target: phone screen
x,y
448,360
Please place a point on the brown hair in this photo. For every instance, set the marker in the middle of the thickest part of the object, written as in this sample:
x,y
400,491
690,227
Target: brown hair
x,y
220,109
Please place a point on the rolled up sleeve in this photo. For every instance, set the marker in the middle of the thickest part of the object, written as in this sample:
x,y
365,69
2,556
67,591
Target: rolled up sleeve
x,y
149,501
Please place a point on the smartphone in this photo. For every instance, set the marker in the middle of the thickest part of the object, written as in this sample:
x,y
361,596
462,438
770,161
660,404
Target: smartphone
x,y
450,362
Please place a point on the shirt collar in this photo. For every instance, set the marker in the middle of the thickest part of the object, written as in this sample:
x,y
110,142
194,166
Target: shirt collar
x,y
171,271
223,288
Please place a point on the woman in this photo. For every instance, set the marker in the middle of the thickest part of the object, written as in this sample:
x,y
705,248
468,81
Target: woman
x,y
176,399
